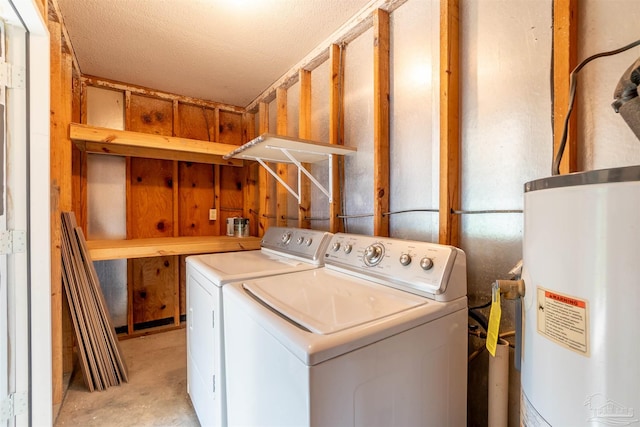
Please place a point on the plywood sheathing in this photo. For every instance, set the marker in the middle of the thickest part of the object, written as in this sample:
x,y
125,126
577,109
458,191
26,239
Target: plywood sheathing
x,y
151,211
565,25
154,292
195,179
449,229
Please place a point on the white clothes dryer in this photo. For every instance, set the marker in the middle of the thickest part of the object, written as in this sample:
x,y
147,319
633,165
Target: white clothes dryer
x,y
283,250
377,337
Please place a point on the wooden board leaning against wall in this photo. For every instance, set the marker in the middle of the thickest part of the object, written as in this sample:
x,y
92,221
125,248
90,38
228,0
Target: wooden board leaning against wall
x,y
167,198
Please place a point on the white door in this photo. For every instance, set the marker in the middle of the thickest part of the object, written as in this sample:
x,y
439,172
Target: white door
x,y
14,324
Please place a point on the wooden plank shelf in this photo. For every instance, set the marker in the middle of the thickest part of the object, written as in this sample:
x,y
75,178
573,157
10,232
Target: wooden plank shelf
x,y
101,250
99,140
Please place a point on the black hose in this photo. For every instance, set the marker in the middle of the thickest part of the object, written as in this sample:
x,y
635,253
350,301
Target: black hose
x,y
480,318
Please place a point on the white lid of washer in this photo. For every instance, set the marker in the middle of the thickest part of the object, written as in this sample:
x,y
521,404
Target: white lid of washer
x,y
325,302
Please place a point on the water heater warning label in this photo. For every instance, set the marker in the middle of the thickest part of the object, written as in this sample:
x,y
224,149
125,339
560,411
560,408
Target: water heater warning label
x,y
564,320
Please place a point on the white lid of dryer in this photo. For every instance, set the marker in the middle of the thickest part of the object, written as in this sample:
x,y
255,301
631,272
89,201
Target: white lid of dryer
x,y
284,250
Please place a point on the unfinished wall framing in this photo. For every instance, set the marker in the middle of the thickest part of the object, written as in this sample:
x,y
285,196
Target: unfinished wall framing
x,y
170,198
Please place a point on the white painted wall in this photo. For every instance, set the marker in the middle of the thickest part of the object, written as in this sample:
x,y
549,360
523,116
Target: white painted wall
x,y
358,132
415,110
506,141
605,25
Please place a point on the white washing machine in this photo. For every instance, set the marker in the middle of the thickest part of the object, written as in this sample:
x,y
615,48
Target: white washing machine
x,y
377,337
283,250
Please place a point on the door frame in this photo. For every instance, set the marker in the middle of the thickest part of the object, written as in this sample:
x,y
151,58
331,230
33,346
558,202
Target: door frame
x,y
38,211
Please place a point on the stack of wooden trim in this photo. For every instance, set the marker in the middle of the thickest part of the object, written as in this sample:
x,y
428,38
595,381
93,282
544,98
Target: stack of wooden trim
x,y
98,348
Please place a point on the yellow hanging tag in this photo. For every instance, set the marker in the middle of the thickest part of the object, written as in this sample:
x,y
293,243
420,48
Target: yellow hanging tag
x,y
494,320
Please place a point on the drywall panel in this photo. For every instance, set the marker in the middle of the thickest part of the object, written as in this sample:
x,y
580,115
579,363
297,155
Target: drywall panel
x,y
105,108
106,199
358,107
415,44
506,141
106,175
320,79
605,139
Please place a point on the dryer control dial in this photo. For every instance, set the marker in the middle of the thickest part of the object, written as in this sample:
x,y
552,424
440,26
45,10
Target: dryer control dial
x,y
405,259
286,238
426,263
347,248
335,247
300,240
373,254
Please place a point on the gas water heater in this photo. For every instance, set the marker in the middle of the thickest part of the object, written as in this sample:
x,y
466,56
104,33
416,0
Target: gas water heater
x,y
580,363
581,257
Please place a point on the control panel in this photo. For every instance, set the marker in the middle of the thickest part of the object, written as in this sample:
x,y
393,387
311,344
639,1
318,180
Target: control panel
x,y
423,268
300,242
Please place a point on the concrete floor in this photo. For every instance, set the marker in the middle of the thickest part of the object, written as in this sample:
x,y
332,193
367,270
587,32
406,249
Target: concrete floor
x,y
156,394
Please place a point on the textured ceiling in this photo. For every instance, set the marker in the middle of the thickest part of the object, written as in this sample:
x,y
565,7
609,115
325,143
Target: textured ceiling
x,y
221,50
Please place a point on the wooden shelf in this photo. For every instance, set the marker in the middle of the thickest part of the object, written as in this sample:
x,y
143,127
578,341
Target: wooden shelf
x,y
142,248
137,144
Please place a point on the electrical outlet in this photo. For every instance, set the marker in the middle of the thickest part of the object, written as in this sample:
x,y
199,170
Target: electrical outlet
x,y
213,214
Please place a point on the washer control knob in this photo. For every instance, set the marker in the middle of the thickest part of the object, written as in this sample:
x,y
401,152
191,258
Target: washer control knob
x,y
308,241
347,248
286,238
335,247
300,240
373,254
405,259
426,263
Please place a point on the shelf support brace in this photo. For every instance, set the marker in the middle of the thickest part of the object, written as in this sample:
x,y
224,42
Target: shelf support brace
x,y
280,180
304,170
